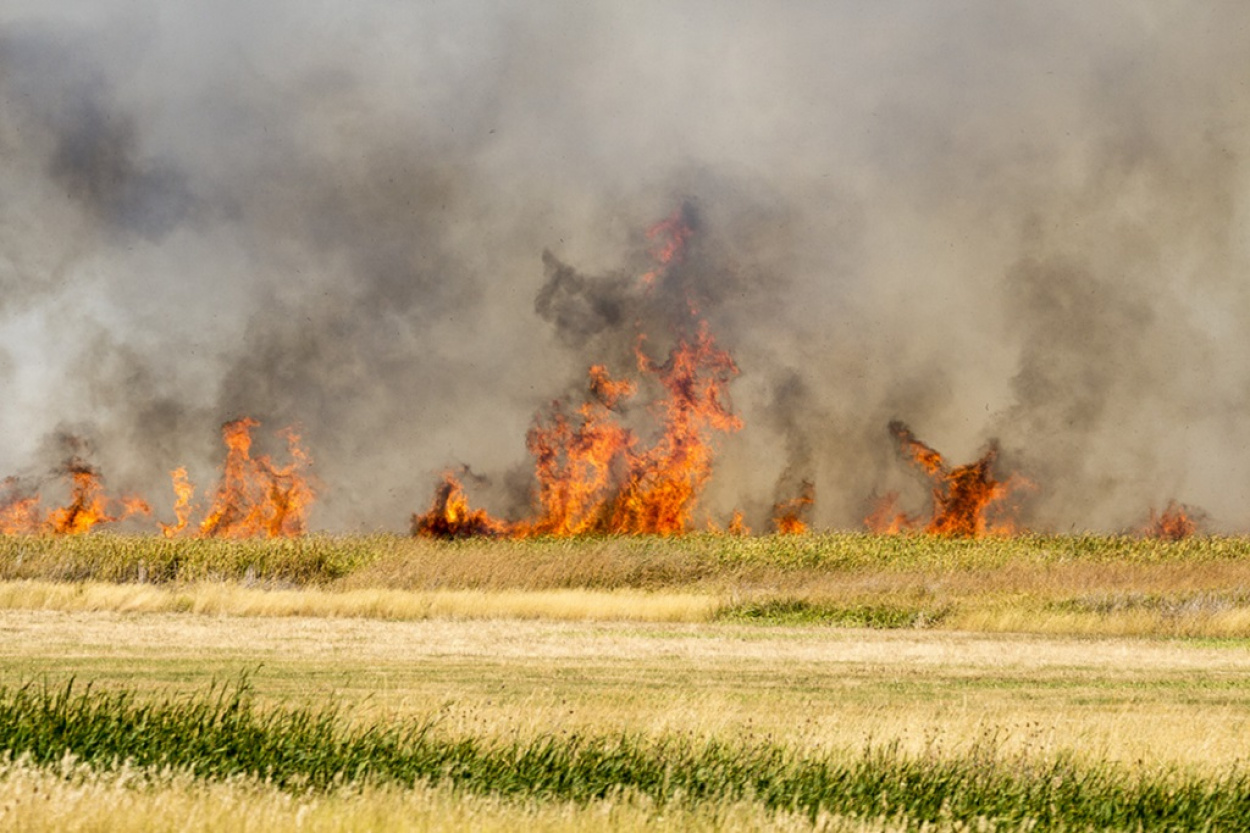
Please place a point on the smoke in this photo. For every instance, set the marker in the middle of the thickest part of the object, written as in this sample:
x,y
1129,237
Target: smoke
x,y
405,228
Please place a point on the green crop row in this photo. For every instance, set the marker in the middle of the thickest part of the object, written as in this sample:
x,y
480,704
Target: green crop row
x,y
221,734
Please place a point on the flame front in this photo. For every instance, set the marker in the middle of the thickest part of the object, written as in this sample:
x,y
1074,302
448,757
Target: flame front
x,y
88,506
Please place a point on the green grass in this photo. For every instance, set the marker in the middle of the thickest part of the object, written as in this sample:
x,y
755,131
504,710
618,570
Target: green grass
x,y
221,734
802,612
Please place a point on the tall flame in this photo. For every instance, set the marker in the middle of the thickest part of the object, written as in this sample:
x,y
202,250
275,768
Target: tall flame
x,y
594,474
184,491
255,496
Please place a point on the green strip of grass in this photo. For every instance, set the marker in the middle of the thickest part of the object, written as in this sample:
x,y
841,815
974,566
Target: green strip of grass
x,y
796,612
221,734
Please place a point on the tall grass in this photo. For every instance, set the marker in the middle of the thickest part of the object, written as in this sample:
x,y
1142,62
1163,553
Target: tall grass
x,y
1054,584
222,735
603,563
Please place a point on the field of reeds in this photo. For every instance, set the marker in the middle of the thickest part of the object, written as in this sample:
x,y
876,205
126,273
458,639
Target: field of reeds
x,y
836,682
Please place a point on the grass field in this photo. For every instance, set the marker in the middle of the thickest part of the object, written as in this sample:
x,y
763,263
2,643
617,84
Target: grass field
x,y
848,682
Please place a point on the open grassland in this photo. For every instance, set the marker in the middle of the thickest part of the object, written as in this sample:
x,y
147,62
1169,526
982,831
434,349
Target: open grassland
x,y
225,737
1129,724
841,682
1043,584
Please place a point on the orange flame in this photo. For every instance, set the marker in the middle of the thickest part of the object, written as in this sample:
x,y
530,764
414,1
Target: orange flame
x,y
184,491
962,497
88,506
664,483
19,512
1175,523
669,238
578,460
790,517
887,519
593,475
451,517
256,497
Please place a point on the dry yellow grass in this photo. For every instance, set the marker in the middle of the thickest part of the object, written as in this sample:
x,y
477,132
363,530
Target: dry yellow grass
x,y
1107,698
992,604
220,598
77,800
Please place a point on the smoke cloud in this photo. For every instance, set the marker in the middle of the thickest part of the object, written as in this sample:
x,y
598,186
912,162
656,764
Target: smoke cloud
x,y
406,228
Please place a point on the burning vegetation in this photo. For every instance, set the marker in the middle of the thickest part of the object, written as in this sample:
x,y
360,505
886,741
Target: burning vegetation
x,y
88,505
633,457
596,475
255,497
966,498
793,516
1175,523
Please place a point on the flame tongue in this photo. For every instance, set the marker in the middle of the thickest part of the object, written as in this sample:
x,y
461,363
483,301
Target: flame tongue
x,y
961,496
666,481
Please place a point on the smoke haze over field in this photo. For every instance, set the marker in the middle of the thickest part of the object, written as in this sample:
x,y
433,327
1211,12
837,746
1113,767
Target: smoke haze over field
x,y
407,227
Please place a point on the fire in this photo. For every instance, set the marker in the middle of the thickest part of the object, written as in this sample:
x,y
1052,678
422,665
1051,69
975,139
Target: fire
x,y
790,517
19,512
594,474
88,506
256,497
668,238
184,491
451,517
962,496
887,519
1174,523
664,483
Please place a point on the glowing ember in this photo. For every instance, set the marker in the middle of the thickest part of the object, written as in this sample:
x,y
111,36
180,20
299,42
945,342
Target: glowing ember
x,y
255,497
790,517
451,517
1174,523
962,496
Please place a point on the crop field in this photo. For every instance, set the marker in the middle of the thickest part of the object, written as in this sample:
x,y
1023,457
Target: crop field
x,y
836,682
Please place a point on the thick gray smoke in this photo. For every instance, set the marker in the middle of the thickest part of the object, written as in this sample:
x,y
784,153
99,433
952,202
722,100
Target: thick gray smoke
x,y
407,227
